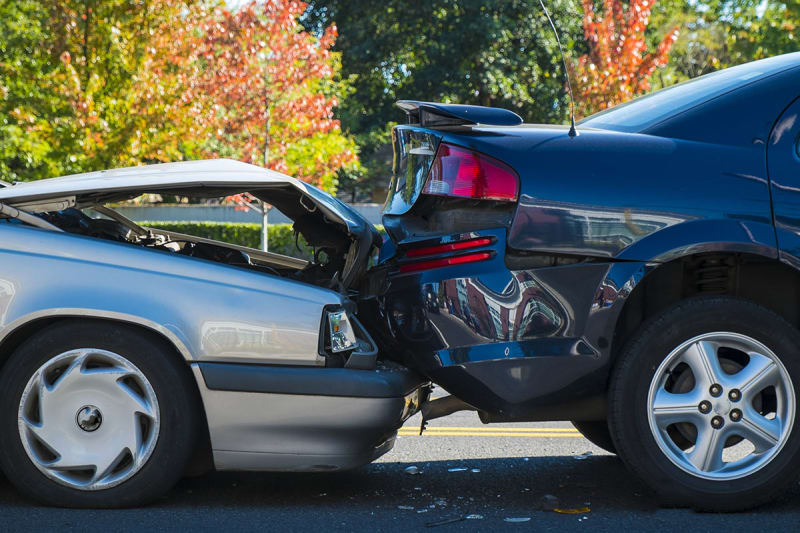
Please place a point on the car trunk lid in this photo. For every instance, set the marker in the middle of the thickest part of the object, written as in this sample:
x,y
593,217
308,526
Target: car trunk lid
x,y
319,217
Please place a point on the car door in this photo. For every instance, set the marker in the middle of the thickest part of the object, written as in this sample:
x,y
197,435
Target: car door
x,y
783,159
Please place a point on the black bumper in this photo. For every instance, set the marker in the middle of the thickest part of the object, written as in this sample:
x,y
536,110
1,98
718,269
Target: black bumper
x,y
388,380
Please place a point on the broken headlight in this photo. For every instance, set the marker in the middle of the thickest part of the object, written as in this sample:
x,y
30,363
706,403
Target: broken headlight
x,y
341,334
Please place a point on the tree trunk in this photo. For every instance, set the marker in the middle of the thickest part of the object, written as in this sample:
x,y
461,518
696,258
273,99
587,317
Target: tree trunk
x,y
87,14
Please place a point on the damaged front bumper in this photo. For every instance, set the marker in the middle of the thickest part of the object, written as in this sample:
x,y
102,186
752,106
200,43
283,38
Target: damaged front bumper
x,y
279,418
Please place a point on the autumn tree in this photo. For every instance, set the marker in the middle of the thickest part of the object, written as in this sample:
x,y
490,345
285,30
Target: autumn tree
x,y
498,53
27,106
618,66
90,84
257,87
102,49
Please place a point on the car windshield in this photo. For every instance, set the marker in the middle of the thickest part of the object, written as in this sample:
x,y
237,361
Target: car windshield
x,y
646,111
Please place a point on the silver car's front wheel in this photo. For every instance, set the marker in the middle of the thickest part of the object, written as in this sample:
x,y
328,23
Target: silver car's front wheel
x,y
96,414
89,419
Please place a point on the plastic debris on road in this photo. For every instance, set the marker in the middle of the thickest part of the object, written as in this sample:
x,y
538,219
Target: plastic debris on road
x,y
517,520
406,507
474,517
445,521
475,470
579,510
584,455
457,469
412,471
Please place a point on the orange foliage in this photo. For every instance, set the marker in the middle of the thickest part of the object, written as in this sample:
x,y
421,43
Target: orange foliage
x,y
258,86
617,67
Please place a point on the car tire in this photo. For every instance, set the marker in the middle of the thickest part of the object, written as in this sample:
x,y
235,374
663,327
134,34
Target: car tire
x,y
661,381
596,432
135,418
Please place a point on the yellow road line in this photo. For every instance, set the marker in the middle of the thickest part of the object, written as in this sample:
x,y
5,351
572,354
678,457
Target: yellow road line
x,y
499,432
464,434
496,428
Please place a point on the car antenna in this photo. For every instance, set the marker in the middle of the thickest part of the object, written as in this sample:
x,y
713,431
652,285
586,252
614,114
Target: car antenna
x,y
572,131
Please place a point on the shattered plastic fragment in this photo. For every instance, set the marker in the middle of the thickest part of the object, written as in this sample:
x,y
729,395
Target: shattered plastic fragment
x,y
579,510
517,520
412,471
406,507
475,470
445,521
584,455
422,511
456,469
474,517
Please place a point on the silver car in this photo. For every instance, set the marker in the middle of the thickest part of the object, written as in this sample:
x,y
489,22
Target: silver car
x,y
129,355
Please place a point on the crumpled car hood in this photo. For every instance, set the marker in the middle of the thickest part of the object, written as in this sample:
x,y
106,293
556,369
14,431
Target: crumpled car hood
x,y
316,213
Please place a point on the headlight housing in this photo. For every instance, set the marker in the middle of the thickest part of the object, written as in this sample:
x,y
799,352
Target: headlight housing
x,y
342,337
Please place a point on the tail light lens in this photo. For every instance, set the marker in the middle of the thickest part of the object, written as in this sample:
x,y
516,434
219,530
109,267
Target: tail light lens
x,y
445,261
449,247
463,173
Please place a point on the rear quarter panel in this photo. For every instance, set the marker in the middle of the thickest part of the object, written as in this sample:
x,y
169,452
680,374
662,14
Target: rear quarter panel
x,y
602,194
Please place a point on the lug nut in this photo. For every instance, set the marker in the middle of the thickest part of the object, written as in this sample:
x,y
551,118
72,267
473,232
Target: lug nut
x,y
717,422
705,406
736,415
715,390
735,395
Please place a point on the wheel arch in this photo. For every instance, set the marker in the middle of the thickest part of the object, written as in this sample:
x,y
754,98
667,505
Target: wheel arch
x,y
760,279
24,326
19,331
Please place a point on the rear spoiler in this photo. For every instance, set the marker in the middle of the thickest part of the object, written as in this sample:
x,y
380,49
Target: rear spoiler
x,y
434,114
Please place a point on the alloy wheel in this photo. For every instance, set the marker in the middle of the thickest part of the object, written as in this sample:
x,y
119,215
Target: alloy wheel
x,y
721,406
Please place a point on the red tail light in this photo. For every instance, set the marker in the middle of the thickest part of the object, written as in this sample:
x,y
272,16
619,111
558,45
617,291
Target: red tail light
x,y
449,247
462,173
447,261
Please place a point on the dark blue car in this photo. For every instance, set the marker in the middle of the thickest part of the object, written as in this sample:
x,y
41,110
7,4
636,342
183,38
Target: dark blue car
x,y
639,279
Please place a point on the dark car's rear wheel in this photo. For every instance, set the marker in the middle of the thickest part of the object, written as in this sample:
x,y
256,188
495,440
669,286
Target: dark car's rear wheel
x,y
596,432
94,416
704,404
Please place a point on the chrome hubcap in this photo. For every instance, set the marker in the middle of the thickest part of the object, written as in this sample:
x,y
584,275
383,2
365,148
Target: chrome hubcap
x,y
721,406
88,419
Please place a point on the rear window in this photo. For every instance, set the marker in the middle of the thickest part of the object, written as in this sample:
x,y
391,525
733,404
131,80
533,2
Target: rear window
x,y
414,151
646,111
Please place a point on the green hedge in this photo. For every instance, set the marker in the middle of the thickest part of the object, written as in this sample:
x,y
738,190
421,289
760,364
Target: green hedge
x,y
281,237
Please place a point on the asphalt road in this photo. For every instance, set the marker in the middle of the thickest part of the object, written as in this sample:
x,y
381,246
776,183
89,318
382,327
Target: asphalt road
x,y
490,472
